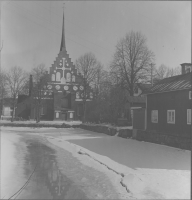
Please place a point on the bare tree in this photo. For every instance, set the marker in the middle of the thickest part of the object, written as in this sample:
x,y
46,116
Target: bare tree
x,y
16,79
38,72
131,61
3,89
161,72
88,66
40,81
164,71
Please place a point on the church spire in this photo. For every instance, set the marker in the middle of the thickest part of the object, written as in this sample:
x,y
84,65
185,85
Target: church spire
x,y
63,35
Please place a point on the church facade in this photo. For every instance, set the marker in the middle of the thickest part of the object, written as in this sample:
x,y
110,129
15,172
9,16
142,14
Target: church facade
x,y
63,94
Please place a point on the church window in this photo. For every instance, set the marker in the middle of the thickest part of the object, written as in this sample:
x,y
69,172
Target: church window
x,y
58,76
73,78
77,95
53,77
68,77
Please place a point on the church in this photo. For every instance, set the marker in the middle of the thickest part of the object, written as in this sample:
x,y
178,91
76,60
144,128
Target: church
x,y
62,96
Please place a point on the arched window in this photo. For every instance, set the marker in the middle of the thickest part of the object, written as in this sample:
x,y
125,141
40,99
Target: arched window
x,y
73,78
58,76
68,77
53,77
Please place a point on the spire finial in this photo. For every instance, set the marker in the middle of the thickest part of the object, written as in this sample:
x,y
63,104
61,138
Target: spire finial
x,y
63,32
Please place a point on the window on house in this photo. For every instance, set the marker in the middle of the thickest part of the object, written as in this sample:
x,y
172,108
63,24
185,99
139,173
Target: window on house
x,y
154,116
190,95
188,116
57,115
171,116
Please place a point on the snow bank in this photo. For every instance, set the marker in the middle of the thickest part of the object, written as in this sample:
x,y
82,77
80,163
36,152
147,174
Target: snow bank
x,y
75,150
147,171
8,162
42,122
140,183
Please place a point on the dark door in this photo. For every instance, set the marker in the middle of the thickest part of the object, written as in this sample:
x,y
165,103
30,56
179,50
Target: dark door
x,y
64,116
139,119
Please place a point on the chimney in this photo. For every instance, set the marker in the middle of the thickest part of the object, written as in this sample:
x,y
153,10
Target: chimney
x,y
186,68
30,84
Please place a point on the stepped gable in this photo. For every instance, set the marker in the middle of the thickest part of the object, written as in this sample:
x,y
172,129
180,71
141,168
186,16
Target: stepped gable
x,y
63,75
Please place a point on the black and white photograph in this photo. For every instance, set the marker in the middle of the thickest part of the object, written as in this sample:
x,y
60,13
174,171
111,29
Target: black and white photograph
x,y
95,99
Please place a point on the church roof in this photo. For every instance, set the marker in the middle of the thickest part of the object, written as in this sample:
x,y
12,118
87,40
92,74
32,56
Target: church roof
x,y
63,35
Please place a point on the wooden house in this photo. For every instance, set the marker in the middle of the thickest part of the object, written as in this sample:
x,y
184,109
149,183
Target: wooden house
x,y
169,105
168,110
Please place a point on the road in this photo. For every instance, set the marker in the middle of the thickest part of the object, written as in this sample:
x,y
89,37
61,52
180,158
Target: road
x,y
45,171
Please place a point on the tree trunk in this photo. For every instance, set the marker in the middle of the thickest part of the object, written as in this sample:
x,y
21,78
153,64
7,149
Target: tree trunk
x,y
12,117
37,113
84,111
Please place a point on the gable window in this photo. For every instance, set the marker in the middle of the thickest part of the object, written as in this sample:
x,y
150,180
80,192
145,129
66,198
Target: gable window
x,y
154,116
188,116
190,95
73,78
68,77
53,77
58,76
171,116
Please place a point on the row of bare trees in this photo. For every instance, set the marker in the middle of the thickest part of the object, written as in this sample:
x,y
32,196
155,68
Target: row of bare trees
x,y
15,81
130,64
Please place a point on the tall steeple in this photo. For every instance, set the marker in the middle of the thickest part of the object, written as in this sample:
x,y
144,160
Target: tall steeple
x,y
63,35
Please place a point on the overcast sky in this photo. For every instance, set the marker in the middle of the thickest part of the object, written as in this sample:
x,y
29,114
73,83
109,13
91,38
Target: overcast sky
x,y
31,31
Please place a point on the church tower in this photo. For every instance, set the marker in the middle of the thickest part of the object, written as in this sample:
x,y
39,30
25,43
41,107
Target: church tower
x,y
66,85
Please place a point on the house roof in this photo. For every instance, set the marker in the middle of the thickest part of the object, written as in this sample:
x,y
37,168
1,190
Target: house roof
x,y
173,83
144,86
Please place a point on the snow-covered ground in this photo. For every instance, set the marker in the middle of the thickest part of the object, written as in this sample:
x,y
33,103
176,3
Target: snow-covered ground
x,y
43,122
148,171
10,182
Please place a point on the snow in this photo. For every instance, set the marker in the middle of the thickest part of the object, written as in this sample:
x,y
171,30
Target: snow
x,y
146,170
43,122
110,126
8,164
149,171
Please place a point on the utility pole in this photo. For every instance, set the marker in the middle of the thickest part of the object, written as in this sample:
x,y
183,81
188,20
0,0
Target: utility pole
x,y
1,47
191,122
152,74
